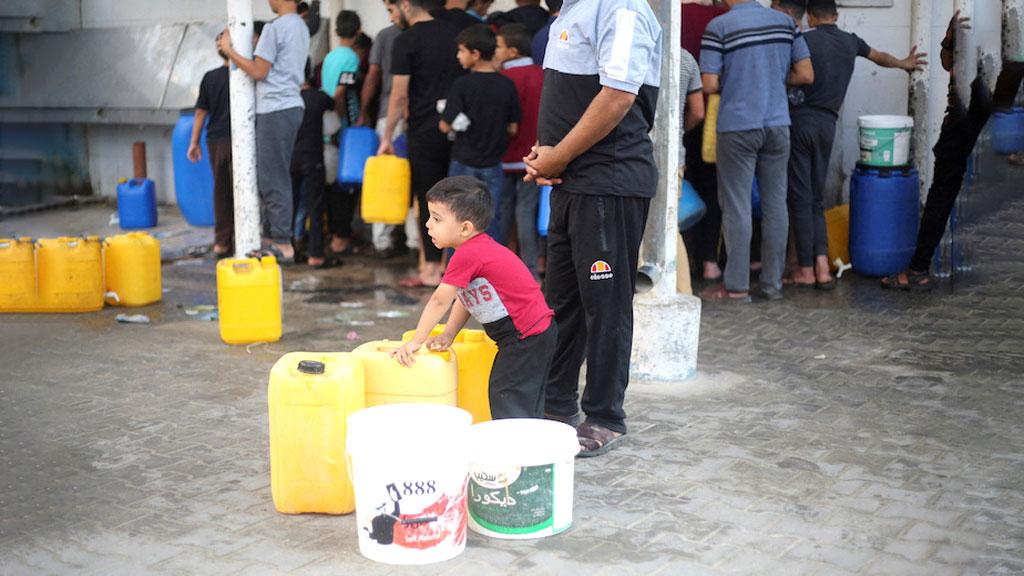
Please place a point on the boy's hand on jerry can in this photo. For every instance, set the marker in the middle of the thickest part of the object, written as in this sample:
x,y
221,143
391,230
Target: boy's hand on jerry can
x,y
405,354
439,343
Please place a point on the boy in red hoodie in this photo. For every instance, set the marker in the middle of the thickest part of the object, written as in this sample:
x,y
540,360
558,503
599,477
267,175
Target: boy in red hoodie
x,y
519,197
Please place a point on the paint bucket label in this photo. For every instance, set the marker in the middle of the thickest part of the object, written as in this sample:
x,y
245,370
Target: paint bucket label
x,y
417,515
513,500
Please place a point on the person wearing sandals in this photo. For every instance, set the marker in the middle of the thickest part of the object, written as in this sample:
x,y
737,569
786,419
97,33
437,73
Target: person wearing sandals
x,y
278,66
960,131
602,71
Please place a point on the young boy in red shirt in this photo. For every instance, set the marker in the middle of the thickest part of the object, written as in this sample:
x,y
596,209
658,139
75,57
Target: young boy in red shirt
x,y
486,280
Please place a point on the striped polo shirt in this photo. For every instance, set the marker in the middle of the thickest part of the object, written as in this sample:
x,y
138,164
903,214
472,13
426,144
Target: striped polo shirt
x,y
752,49
592,44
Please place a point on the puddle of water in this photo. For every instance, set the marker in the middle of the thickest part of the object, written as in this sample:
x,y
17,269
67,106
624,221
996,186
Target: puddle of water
x,y
349,297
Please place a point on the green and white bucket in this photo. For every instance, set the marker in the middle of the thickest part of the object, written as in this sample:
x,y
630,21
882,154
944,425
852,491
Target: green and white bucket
x,y
521,477
885,140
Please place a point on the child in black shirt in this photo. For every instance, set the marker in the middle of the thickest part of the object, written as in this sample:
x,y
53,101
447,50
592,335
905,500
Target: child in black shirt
x,y
482,113
308,173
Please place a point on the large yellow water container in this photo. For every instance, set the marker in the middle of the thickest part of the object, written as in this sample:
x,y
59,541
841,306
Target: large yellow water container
x,y
132,264
310,397
433,379
70,274
386,189
249,300
474,354
17,275
837,226
709,149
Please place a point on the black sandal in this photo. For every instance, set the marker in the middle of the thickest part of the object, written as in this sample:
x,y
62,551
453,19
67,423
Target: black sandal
x,y
908,280
596,440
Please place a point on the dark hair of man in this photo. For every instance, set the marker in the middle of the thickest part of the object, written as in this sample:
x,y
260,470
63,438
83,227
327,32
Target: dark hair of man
x,y
363,41
822,9
347,24
480,38
467,198
302,8
796,7
258,26
554,6
517,36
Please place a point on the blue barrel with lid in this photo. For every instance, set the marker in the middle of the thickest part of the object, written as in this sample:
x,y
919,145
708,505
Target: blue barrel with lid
x,y
193,182
136,203
691,207
884,204
357,145
1008,131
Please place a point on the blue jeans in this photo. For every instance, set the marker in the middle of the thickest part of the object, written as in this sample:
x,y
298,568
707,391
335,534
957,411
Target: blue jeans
x,y
494,178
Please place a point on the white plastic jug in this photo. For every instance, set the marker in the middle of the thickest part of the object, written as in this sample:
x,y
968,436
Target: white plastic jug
x,y
410,464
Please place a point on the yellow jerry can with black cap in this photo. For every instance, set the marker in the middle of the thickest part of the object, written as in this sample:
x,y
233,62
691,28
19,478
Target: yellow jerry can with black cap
x,y
474,354
433,379
310,397
249,300
132,265
70,274
17,275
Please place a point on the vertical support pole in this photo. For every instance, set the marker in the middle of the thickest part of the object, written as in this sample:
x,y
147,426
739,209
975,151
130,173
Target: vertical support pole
x,y
139,160
921,36
966,64
243,133
1013,30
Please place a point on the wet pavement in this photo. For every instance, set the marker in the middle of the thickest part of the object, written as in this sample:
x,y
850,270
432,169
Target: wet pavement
x,y
852,432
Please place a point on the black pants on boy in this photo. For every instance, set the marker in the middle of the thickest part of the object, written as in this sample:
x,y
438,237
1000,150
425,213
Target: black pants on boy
x,y
593,248
959,133
341,208
811,136
520,370
223,193
704,238
308,184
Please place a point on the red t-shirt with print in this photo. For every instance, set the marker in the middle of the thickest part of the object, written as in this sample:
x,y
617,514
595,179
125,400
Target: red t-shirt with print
x,y
493,283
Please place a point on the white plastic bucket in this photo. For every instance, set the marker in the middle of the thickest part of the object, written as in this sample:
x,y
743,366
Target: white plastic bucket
x,y
521,477
409,465
885,140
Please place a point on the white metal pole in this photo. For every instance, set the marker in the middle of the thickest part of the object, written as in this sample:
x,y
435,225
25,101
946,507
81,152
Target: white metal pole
x,y
243,133
1013,30
921,36
966,64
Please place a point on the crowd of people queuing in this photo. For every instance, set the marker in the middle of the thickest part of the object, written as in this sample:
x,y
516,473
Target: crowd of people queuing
x,y
492,106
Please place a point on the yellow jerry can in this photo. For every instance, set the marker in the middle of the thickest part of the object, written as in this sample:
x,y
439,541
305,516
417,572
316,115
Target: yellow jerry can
x,y
386,189
433,379
17,275
310,397
132,264
249,300
70,274
474,354
837,227
709,149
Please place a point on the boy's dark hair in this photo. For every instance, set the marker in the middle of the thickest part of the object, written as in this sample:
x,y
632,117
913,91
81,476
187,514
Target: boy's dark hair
x,y
822,8
554,5
479,37
347,24
220,52
517,36
363,41
467,198
798,7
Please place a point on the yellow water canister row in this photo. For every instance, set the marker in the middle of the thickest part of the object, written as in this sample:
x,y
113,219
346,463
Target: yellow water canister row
x,y
386,189
475,354
69,275
433,379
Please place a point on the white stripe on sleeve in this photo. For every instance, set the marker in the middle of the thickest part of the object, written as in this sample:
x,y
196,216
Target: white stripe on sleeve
x,y
618,65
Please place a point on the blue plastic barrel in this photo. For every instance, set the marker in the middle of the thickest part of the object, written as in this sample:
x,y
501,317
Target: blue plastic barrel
x,y
691,207
543,210
193,182
357,144
1008,131
883,219
401,146
136,203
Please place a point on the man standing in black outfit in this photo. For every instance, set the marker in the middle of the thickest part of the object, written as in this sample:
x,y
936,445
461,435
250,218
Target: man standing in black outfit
x,y
597,108
960,130
423,68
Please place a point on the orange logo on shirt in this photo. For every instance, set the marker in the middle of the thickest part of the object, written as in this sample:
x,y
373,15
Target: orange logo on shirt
x,y
600,270
564,36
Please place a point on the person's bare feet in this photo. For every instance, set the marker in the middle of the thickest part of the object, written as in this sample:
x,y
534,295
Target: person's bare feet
x,y
822,271
315,262
339,244
801,276
712,271
287,251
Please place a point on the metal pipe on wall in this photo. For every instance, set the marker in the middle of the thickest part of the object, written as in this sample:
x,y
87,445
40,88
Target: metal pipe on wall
x,y
243,133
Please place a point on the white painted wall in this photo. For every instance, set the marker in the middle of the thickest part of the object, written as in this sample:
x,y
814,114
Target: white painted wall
x,y
110,157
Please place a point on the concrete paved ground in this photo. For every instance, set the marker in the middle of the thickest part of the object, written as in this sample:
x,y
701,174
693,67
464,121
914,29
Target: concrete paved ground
x,y
856,432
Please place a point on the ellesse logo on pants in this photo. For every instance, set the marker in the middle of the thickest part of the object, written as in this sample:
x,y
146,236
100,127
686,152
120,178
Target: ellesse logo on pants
x,y
600,270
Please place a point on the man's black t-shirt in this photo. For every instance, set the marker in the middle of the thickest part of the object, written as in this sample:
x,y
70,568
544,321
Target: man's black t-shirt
x,y
490,101
309,143
833,54
426,53
215,98
456,16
